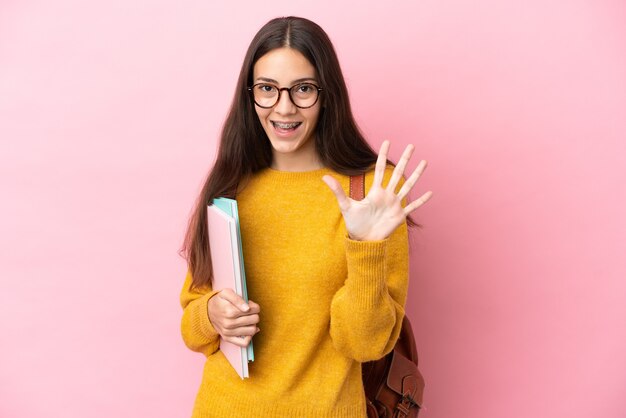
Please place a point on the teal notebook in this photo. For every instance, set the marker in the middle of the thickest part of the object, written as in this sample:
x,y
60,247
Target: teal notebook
x,y
229,207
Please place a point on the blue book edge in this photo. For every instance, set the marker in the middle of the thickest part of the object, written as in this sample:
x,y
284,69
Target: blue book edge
x,y
229,207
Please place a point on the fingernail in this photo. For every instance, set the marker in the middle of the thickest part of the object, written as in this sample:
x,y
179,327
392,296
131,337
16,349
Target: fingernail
x,y
257,330
245,307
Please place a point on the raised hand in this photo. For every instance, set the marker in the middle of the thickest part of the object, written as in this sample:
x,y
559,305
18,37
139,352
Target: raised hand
x,y
380,212
234,319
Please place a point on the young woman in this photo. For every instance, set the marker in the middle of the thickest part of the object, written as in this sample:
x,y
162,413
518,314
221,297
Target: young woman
x,y
327,276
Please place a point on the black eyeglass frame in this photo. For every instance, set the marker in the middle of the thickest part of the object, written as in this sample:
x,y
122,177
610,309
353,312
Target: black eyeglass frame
x,y
280,90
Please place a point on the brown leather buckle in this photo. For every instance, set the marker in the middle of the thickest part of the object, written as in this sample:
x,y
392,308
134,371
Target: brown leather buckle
x,y
404,406
406,398
402,409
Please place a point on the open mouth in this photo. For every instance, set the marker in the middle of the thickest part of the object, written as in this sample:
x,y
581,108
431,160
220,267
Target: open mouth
x,y
286,126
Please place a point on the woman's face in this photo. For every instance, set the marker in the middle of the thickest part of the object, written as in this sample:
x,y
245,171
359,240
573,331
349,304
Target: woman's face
x,y
290,129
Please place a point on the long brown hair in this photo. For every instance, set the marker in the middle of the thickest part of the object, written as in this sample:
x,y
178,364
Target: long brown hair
x,y
245,148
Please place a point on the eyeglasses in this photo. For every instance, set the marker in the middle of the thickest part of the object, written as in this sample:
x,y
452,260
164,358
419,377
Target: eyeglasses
x,y
303,95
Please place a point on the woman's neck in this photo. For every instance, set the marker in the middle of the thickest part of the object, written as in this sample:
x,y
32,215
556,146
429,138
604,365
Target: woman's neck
x,y
304,159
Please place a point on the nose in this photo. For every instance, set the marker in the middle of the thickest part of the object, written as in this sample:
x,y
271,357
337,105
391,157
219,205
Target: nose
x,y
284,106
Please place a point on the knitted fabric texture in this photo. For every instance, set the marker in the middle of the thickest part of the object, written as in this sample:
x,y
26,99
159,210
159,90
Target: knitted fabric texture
x,y
327,304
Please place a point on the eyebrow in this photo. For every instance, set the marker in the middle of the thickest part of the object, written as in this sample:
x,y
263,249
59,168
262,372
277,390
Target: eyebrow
x,y
300,80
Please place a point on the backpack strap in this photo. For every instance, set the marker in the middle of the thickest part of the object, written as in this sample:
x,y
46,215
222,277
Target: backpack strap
x,y
357,186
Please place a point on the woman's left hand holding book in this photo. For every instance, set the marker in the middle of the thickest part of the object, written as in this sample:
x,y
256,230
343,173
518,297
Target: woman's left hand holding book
x,y
234,319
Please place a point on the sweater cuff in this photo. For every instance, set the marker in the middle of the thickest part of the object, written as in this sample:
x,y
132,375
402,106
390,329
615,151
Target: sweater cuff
x,y
366,261
200,310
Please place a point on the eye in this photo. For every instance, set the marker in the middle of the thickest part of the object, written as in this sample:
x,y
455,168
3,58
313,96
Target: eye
x,y
266,88
305,88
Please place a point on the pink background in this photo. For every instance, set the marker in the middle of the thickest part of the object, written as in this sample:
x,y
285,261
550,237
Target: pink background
x,y
109,114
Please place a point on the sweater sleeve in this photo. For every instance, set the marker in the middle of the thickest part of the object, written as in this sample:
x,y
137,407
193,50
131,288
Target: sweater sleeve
x,y
367,311
196,328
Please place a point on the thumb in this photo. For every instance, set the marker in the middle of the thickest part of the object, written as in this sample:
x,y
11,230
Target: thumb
x,y
335,187
235,299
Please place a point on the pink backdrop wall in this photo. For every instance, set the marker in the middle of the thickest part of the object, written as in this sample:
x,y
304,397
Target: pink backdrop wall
x,y
109,114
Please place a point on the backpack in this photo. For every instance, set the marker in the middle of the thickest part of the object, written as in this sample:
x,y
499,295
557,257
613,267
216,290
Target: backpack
x,y
394,387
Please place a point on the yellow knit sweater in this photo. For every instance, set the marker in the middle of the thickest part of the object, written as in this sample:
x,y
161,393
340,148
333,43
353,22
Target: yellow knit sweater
x,y
327,304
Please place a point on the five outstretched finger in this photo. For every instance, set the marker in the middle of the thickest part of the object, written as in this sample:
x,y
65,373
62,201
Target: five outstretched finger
x,y
417,203
399,170
381,164
410,182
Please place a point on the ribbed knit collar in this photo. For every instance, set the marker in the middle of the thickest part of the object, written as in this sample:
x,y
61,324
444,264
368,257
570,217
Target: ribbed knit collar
x,y
279,176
